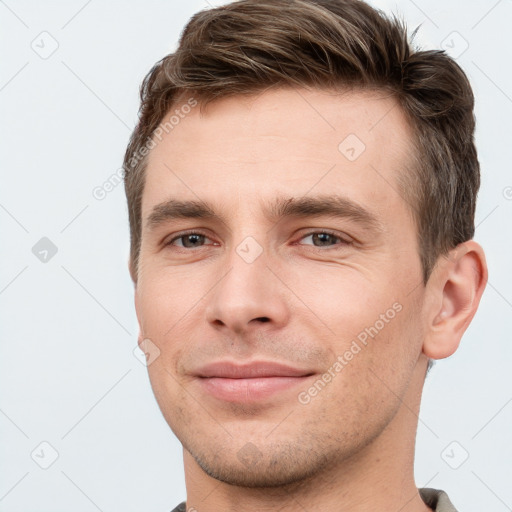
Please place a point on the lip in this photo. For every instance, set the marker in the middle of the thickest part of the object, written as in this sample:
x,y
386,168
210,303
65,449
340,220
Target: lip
x,y
255,369
251,382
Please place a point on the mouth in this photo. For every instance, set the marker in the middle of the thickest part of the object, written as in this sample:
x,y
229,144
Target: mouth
x,y
252,382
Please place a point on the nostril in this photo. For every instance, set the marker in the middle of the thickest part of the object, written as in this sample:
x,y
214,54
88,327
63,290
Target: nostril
x,y
263,319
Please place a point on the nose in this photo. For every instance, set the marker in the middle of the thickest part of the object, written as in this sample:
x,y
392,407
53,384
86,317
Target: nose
x,y
247,296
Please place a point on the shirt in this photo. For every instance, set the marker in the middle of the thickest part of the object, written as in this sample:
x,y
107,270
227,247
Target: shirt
x,y
437,500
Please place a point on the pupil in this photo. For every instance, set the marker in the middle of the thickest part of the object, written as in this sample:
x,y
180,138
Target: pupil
x,y
193,239
324,238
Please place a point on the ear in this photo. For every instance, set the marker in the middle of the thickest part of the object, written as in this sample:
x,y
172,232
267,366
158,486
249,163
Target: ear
x,y
140,336
454,291
131,269
136,299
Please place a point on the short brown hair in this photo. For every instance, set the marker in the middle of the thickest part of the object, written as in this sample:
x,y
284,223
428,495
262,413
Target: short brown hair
x,y
251,45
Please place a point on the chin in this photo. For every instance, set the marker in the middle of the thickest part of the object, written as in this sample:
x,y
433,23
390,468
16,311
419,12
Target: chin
x,y
282,466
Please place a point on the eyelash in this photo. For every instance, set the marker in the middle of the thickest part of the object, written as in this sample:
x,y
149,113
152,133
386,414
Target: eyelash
x,y
343,242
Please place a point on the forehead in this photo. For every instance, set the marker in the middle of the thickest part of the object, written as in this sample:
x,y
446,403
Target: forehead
x,y
286,142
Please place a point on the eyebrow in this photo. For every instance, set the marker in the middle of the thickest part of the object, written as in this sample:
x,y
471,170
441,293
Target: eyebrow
x,y
335,206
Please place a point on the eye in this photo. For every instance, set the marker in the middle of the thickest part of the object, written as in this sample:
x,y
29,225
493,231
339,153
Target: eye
x,y
319,238
189,240
325,239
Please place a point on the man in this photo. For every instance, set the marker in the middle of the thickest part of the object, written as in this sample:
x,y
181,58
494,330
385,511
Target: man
x,y
301,189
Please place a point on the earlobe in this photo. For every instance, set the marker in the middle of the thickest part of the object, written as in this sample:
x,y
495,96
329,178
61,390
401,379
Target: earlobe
x,y
457,286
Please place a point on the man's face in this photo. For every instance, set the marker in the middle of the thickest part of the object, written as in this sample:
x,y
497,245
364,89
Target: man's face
x,y
272,276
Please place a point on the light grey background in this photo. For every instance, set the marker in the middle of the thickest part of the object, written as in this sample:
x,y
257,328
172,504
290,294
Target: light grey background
x,y
69,376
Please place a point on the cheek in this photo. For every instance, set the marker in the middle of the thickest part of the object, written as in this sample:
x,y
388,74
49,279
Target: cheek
x,y
346,302
371,327
376,367
165,298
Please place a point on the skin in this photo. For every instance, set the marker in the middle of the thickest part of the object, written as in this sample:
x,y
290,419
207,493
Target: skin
x,y
351,448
